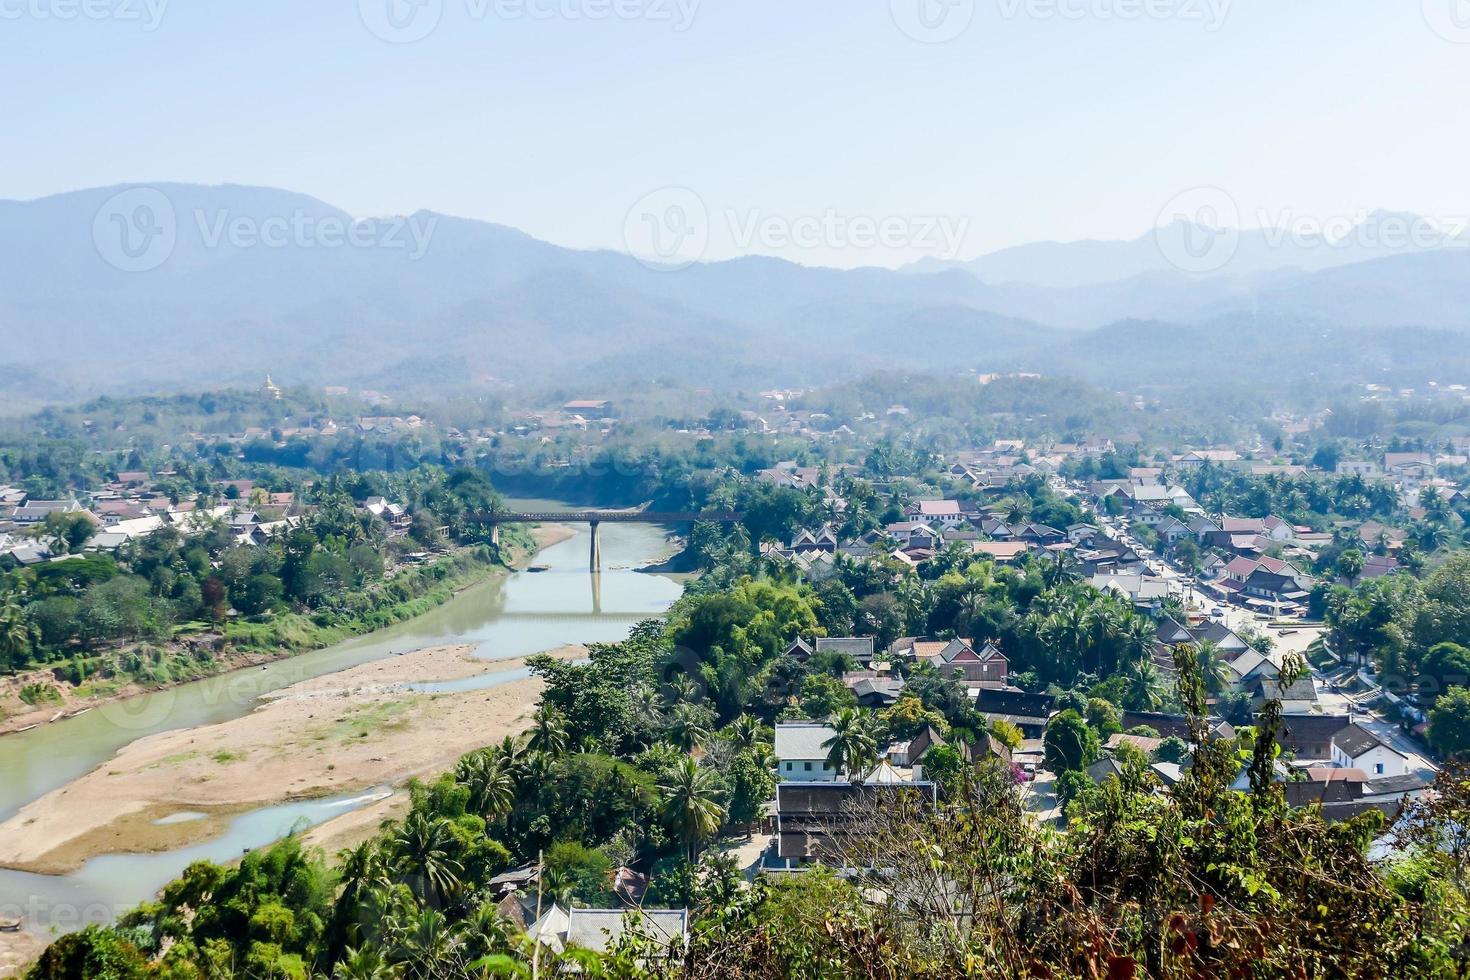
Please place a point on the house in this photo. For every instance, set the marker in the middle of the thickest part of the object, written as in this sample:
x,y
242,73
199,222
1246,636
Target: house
x,y
986,667
1176,725
824,539
1028,712
945,513
914,534
1297,698
825,821
599,408
1001,552
874,692
1354,747
36,511
1144,591
601,930
859,648
1310,736
394,515
800,755
799,650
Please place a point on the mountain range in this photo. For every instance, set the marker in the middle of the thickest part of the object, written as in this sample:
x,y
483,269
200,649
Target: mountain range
x,y
177,285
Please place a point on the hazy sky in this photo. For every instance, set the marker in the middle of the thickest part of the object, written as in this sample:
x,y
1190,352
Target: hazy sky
x,y
843,132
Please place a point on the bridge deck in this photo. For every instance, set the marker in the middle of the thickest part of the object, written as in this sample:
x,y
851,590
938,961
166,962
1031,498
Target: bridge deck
x,y
612,517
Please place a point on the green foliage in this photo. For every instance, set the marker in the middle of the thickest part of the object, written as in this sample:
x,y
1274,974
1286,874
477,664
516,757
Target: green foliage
x,y
1069,743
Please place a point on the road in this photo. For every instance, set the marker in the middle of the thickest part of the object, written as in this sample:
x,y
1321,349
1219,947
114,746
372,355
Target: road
x,y
1296,639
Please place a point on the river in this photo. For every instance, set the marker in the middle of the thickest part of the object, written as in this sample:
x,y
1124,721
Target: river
x,y
523,613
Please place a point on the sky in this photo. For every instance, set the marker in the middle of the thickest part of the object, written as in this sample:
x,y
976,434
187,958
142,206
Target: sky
x,y
829,132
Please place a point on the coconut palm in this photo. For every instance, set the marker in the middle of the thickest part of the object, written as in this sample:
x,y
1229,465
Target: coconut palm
x,y
491,785
423,858
365,963
688,726
424,943
16,634
747,732
1144,690
548,732
1214,669
691,805
852,747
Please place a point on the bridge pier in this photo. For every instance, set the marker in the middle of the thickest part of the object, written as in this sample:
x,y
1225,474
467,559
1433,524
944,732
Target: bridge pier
x,y
596,557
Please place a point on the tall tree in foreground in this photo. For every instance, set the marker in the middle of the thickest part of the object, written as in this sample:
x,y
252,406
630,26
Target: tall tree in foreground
x,y
690,805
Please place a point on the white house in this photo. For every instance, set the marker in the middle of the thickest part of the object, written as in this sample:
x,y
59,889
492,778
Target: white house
x,y
800,757
1357,748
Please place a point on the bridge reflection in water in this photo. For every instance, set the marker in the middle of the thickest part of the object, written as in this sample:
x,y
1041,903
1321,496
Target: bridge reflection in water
x,y
596,518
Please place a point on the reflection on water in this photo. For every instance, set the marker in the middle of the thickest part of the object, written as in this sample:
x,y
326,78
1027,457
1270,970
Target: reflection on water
x,y
511,617
108,886
522,614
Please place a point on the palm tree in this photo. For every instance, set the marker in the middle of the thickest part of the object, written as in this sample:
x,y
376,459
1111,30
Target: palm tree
x,y
16,634
557,885
852,748
491,785
688,726
365,963
746,732
548,732
691,805
423,849
1214,669
424,942
1145,687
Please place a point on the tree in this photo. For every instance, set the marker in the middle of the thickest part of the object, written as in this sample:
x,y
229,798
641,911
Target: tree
x,y
1144,688
548,732
851,749
688,726
690,805
751,786
1350,565
423,847
1068,743
1449,723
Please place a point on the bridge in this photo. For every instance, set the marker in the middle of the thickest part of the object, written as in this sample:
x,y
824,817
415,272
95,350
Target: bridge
x,y
596,518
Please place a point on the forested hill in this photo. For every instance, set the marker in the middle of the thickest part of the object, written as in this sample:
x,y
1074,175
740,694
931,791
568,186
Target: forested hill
x,y
132,287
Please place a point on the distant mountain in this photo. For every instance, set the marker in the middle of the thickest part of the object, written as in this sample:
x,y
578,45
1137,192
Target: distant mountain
x,y
169,285
1242,254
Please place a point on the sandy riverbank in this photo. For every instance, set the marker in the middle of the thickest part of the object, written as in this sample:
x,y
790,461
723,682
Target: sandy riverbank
x,y
330,736
17,951
17,716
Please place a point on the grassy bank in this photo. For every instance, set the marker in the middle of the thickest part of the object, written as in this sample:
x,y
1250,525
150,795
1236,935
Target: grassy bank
x,y
196,652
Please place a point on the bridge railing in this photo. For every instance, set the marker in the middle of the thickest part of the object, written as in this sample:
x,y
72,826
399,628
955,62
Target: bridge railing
x,y
609,517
